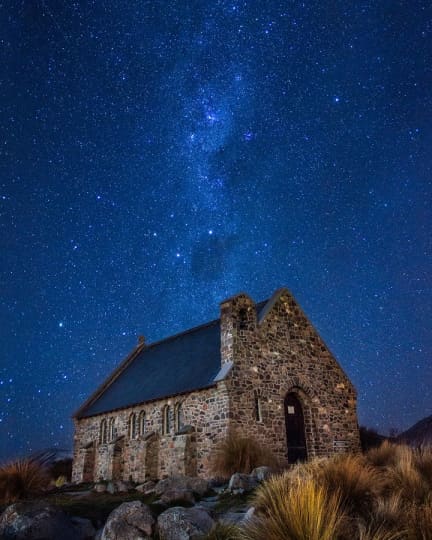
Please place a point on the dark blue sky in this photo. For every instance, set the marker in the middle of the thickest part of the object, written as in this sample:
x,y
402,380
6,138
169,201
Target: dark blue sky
x,y
159,156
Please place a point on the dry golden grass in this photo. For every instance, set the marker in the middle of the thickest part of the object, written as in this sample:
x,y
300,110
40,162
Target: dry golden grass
x,y
240,454
358,483
294,509
405,478
385,455
420,521
386,495
223,531
22,479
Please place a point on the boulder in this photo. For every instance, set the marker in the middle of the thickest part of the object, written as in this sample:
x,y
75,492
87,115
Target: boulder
x,y
37,521
180,523
198,486
84,528
241,483
122,487
111,488
176,495
249,514
148,488
262,473
129,521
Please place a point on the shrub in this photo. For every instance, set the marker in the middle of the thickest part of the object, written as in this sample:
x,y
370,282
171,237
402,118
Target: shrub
x,y
223,531
21,479
294,509
240,454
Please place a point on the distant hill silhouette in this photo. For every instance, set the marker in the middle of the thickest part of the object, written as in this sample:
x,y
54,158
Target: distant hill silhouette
x,y
419,434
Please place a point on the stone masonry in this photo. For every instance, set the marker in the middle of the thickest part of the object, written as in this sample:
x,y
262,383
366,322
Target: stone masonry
x,y
266,356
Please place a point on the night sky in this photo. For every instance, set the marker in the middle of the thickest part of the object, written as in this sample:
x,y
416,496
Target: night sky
x,y
157,157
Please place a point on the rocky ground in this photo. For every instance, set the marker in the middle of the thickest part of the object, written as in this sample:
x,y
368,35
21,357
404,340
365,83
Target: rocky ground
x,y
177,508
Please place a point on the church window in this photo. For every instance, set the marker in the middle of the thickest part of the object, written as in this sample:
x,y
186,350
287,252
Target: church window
x,y
242,319
142,421
257,407
132,426
166,420
103,432
111,429
178,417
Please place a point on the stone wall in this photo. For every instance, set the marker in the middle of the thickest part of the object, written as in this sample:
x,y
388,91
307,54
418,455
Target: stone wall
x,y
153,454
283,353
277,353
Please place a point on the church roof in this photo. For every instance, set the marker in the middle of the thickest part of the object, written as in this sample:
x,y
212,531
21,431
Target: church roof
x,y
178,364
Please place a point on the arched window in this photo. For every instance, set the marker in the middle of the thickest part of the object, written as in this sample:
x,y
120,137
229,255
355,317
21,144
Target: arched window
x,y
178,417
111,429
142,421
243,318
132,426
166,427
103,432
257,407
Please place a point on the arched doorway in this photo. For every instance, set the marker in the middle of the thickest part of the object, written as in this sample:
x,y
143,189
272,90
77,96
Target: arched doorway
x,y
89,463
295,429
118,463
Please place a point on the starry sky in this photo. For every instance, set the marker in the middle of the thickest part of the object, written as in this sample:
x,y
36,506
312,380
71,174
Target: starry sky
x,y
159,156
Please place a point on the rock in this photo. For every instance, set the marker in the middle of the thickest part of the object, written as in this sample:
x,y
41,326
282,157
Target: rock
x,y
111,488
100,487
249,514
180,523
241,483
262,473
176,495
84,528
198,486
129,521
122,487
148,488
37,521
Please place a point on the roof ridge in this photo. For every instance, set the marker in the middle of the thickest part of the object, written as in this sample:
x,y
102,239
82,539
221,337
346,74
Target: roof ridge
x,y
180,334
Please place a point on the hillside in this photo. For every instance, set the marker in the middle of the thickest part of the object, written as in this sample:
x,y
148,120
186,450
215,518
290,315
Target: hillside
x,y
419,434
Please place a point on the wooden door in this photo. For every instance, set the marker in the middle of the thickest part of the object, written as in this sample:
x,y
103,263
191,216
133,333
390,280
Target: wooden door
x,y
89,463
295,429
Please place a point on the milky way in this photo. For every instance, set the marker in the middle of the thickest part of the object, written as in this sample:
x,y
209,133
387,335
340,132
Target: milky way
x,y
157,157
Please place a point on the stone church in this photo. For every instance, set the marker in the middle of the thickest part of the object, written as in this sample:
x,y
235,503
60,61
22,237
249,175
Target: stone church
x,y
260,370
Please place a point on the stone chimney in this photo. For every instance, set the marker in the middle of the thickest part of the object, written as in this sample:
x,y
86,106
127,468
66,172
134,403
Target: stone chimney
x,y
238,319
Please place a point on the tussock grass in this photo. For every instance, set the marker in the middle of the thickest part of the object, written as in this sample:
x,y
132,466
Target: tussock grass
x,y
223,531
385,455
384,495
240,454
358,483
22,479
405,478
294,509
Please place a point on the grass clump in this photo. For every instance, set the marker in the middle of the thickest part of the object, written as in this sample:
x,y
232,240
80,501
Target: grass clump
x,y
240,454
223,531
385,495
294,509
357,482
22,479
